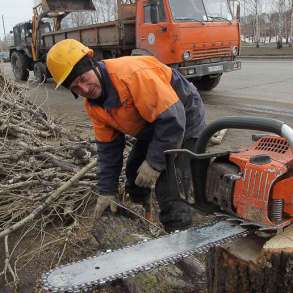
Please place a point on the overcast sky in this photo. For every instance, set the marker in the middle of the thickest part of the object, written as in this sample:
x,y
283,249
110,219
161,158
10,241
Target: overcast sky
x,y
14,11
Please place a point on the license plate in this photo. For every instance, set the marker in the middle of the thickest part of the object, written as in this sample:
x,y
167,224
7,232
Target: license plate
x,y
215,68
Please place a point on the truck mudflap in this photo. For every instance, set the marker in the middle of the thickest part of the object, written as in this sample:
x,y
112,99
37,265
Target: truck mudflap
x,y
209,69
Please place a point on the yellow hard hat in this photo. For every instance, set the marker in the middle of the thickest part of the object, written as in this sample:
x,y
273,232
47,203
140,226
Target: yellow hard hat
x,y
63,56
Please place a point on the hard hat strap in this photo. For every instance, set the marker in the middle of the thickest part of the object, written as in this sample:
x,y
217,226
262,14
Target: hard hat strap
x,y
98,74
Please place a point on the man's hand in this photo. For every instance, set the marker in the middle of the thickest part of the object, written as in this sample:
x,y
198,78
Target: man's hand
x,y
147,176
103,202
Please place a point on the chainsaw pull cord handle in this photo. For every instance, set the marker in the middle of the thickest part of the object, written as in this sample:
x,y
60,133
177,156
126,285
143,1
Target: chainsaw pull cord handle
x,y
246,122
287,132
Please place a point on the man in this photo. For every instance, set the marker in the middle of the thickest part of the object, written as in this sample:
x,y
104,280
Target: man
x,y
139,96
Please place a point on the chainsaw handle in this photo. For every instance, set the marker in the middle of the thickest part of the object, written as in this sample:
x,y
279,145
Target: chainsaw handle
x,y
246,122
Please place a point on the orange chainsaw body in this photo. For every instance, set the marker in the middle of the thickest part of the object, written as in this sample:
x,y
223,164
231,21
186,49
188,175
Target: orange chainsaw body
x,y
264,193
253,186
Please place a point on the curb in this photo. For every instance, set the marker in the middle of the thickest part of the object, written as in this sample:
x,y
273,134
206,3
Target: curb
x,y
268,57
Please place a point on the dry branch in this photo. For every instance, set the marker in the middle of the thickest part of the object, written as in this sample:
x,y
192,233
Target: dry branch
x,y
49,199
38,157
41,163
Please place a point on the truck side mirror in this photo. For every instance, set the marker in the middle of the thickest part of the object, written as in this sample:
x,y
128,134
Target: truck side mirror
x,y
154,11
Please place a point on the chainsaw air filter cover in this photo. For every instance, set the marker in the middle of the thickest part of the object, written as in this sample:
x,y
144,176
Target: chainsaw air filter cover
x,y
221,176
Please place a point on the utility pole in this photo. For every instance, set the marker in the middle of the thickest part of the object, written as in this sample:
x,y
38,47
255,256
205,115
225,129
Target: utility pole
x,y
4,27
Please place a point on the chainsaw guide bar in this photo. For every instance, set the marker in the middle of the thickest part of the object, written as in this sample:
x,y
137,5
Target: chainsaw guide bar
x,y
130,260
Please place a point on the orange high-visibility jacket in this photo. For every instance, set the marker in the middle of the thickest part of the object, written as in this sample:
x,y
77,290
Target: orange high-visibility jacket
x,y
139,92
144,90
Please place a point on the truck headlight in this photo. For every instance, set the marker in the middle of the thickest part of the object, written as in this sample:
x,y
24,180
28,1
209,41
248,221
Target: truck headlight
x,y
235,51
186,55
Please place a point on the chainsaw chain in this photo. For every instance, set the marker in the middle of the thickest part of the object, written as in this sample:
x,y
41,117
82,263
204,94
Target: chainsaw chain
x,y
131,273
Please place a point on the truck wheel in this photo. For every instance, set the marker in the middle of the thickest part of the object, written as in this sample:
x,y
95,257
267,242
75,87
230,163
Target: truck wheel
x,y
207,83
20,66
40,72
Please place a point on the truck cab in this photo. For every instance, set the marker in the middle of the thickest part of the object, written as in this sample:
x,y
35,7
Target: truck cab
x,y
200,38
21,50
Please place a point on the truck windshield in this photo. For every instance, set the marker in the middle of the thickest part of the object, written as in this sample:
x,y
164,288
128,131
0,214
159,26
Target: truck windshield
x,y
217,10
188,10
200,10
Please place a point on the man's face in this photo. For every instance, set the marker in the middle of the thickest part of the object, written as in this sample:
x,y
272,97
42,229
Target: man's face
x,y
87,85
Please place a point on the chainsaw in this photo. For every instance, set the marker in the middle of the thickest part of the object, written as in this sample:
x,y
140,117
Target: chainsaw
x,y
250,190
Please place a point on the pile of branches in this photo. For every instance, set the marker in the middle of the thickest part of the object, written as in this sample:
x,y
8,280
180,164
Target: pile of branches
x,y
47,188
37,158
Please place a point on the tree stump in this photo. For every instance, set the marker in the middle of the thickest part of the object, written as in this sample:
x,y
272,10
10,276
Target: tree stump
x,y
253,265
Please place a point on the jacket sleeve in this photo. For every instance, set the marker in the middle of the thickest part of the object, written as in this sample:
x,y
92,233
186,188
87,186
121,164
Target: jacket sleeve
x,y
158,104
109,164
169,130
193,105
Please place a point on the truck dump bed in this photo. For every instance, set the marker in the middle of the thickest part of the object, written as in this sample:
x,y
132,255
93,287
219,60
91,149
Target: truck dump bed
x,y
109,35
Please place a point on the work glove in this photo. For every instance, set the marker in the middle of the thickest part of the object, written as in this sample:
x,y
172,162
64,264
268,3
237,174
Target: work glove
x,y
147,176
105,201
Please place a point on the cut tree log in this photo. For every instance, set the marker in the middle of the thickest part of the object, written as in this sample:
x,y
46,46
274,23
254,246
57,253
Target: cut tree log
x,y
253,265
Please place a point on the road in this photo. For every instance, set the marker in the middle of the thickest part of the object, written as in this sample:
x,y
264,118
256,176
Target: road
x,y
260,88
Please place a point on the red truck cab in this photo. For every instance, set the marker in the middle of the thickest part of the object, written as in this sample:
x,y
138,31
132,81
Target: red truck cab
x,y
198,37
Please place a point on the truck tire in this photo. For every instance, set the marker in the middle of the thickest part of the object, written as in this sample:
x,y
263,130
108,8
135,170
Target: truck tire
x,y
207,83
40,72
20,66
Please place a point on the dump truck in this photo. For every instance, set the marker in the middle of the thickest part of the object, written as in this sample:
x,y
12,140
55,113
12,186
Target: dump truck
x,y
200,38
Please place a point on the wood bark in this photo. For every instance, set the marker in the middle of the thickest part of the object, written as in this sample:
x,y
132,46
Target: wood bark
x,y
253,265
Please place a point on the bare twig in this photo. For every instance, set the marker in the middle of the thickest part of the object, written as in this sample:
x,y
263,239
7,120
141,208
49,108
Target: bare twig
x,y
48,201
7,266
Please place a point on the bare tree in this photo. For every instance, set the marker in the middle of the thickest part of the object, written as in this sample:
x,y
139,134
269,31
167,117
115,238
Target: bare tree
x,y
291,25
280,4
268,20
106,10
79,18
253,8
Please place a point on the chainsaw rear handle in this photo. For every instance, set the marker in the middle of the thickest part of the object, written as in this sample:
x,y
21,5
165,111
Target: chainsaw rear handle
x,y
246,122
